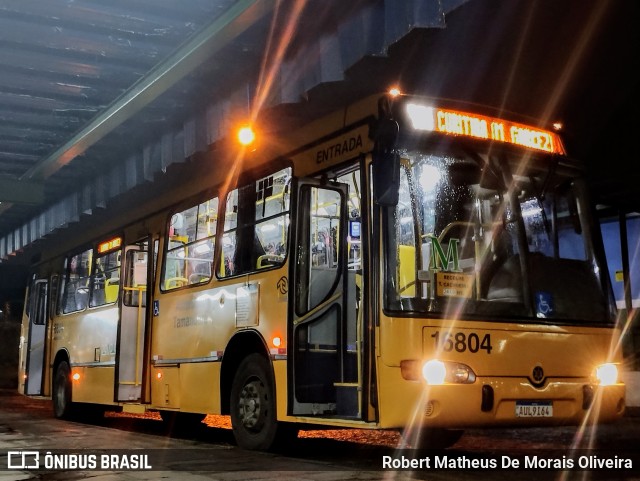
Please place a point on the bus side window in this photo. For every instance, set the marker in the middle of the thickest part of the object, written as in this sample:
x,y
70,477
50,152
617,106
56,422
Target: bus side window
x,y
75,288
190,246
105,280
256,225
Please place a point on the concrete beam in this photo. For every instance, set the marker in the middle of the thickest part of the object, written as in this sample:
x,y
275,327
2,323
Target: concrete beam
x,y
21,192
219,33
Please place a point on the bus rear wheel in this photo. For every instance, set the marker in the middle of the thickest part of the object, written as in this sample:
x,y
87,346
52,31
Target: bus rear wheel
x,y
62,391
253,404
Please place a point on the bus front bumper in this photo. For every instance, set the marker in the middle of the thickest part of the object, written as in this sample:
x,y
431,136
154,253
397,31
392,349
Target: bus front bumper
x,y
500,402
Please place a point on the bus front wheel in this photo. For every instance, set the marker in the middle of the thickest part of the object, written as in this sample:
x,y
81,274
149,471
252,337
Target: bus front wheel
x,y
253,404
62,391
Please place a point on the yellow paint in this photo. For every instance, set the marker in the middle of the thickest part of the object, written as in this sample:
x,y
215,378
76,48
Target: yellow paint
x,y
94,386
200,387
134,408
165,392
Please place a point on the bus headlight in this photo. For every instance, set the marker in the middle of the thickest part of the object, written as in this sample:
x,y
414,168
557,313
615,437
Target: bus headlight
x,y
437,372
607,374
434,372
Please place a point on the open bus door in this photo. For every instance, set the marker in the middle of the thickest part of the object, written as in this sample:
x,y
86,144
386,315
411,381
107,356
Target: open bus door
x,y
326,369
133,323
36,347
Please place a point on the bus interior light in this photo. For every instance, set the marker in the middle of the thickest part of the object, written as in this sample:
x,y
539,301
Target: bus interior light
x,y
607,374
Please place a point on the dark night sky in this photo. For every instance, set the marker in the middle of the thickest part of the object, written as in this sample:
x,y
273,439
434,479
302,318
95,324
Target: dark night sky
x,y
575,61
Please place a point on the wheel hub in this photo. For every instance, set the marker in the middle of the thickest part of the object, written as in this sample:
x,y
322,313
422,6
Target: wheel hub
x,y
249,405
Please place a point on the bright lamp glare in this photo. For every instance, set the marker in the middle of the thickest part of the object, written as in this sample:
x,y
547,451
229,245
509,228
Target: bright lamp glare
x,y
429,177
246,135
421,116
434,372
607,374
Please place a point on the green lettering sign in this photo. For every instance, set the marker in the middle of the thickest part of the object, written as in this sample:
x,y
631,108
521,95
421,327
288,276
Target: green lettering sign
x,y
440,260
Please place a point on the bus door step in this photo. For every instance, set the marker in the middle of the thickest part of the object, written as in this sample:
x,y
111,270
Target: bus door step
x,y
347,398
134,408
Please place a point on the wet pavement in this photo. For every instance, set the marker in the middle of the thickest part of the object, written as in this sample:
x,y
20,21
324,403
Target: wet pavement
x,y
130,448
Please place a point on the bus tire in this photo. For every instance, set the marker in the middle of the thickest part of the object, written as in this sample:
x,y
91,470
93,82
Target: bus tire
x,y
62,391
253,404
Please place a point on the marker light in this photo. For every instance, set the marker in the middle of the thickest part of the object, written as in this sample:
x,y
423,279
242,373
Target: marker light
x,y
394,91
607,374
159,375
76,376
277,341
246,135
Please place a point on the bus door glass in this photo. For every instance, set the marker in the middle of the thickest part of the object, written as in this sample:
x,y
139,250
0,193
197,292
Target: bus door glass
x,y
36,344
133,322
319,311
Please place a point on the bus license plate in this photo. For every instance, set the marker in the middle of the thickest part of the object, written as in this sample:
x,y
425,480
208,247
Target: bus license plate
x,y
534,409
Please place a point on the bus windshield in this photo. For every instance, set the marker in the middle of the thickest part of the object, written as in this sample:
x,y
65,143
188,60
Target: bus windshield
x,y
476,235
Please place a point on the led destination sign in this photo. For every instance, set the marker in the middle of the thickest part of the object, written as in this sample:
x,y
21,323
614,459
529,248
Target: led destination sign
x,y
454,122
109,245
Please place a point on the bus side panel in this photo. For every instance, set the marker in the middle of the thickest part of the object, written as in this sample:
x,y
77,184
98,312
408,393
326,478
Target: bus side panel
x,y
89,337
280,374
165,390
200,387
95,384
191,327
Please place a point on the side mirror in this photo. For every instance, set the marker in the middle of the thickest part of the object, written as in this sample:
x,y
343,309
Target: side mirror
x,y
386,179
386,164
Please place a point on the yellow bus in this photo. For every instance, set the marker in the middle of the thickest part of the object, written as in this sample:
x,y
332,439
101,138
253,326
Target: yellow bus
x,y
403,263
